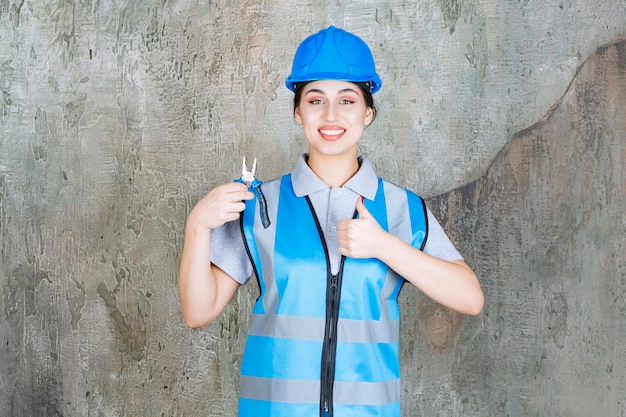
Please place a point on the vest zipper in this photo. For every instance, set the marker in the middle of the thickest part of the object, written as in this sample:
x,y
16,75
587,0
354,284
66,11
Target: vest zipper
x,y
329,347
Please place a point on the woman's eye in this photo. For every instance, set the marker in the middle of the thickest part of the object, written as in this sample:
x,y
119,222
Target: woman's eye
x,y
315,101
346,101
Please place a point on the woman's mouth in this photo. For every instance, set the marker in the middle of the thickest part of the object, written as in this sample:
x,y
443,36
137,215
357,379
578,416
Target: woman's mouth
x,y
331,132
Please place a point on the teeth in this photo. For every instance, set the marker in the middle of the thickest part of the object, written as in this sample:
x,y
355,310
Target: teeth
x,y
331,132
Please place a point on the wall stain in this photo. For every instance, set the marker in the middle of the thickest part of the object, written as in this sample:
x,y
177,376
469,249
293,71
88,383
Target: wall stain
x,y
12,299
14,13
451,10
442,326
7,73
40,145
76,304
132,339
384,14
23,280
557,319
37,382
73,110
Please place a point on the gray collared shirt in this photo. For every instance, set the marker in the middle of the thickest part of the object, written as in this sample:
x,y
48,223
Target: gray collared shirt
x,y
331,204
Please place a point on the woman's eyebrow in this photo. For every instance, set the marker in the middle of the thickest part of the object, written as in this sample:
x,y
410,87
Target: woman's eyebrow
x,y
314,90
318,91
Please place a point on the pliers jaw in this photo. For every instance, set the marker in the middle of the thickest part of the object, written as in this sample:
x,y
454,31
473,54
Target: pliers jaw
x,y
247,177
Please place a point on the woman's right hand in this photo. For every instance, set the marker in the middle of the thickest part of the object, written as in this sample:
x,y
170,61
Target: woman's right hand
x,y
204,288
221,205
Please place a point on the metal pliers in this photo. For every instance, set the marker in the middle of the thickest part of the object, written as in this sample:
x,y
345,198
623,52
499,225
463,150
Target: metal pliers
x,y
254,185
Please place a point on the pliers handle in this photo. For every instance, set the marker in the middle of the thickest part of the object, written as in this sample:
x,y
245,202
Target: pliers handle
x,y
254,185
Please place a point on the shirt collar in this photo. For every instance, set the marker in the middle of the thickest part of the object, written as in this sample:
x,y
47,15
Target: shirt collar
x,y
306,182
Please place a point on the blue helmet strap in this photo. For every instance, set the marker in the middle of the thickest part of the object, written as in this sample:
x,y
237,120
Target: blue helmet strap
x,y
367,86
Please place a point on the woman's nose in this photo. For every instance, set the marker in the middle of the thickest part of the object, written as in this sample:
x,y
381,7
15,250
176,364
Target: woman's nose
x,y
331,111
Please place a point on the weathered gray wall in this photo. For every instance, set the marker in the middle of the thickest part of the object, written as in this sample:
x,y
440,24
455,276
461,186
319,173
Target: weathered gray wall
x,y
546,226
116,117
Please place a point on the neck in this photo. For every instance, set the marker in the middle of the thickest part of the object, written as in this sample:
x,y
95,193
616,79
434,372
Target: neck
x,y
334,170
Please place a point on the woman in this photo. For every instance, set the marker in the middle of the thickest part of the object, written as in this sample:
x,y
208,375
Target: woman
x,y
323,336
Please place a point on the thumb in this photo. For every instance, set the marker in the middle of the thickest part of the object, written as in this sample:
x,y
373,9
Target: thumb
x,y
360,208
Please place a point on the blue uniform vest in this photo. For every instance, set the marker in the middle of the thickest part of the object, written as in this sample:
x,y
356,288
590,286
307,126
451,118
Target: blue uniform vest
x,y
323,344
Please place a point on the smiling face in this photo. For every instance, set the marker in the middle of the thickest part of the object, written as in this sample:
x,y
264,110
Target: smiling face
x,y
333,115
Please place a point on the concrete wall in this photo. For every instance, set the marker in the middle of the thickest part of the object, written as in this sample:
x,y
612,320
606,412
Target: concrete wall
x,y
546,228
116,117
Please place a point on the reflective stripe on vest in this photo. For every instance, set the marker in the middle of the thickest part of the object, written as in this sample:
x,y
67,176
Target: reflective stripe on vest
x,y
281,367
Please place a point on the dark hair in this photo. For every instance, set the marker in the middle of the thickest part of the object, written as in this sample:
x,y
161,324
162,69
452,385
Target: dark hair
x,y
365,89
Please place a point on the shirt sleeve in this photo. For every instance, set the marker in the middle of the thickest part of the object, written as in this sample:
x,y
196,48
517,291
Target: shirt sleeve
x,y
229,253
437,243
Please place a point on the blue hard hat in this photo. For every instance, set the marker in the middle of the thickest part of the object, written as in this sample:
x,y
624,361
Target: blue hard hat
x,y
334,54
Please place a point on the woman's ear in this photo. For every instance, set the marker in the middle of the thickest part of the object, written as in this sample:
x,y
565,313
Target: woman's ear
x,y
296,115
369,116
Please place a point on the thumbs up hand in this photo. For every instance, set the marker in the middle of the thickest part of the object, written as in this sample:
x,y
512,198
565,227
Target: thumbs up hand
x,y
362,237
